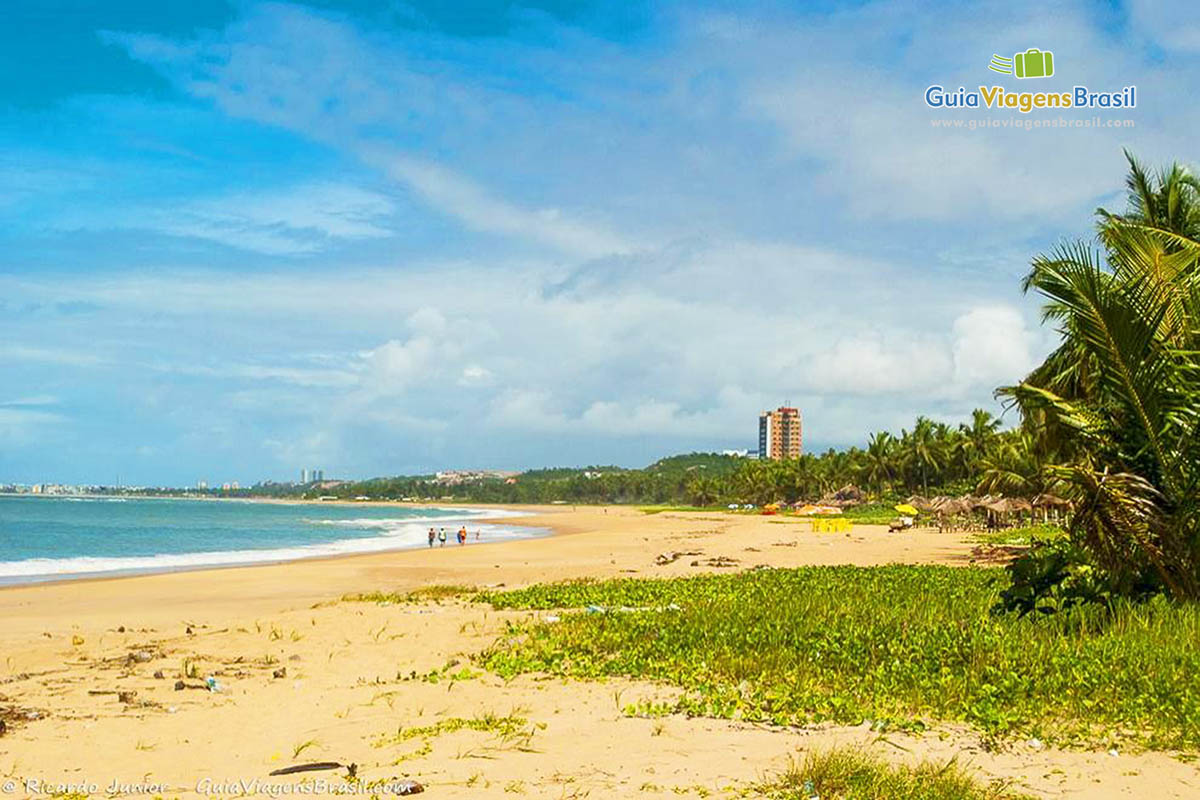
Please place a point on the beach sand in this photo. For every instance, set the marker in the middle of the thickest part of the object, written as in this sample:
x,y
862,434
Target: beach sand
x,y
306,677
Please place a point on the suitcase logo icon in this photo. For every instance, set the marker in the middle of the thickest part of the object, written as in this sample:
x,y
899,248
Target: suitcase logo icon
x,y
1033,63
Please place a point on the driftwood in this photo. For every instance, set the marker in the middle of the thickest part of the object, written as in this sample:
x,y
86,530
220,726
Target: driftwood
x,y
315,766
405,787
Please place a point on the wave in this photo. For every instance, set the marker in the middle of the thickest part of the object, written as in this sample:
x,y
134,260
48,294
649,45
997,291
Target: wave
x,y
401,537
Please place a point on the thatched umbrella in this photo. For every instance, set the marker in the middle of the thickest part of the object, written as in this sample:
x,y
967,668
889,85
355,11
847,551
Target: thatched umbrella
x,y
1007,505
919,502
953,506
1020,505
1051,501
984,501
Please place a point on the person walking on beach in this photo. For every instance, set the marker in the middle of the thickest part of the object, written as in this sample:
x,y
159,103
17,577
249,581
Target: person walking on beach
x,y
441,537
477,534
432,536
462,535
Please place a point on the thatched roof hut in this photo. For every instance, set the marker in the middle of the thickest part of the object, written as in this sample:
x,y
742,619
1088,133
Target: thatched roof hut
x,y
953,506
983,501
920,503
1051,501
1007,505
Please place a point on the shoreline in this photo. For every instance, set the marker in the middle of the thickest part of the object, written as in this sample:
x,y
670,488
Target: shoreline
x,y
584,542
518,512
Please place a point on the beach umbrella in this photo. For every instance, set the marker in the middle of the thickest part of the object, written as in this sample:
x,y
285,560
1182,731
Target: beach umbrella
x,y
905,508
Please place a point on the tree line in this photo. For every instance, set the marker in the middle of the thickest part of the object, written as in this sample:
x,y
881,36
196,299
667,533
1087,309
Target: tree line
x,y
928,458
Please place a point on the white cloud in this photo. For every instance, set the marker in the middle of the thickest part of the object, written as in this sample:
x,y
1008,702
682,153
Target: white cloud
x,y
30,400
992,346
297,376
75,357
667,356
475,375
297,220
882,363
479,210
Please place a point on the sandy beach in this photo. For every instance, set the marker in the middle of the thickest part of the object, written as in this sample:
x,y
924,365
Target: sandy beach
x,y
305,676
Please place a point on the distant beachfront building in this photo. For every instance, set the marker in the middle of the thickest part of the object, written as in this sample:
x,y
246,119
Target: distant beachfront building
x,y
780,434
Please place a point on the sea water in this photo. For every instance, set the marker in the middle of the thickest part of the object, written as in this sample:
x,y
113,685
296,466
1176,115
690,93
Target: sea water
x,y
52,538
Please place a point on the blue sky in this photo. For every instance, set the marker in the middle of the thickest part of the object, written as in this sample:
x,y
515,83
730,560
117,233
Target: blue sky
x,y
238,239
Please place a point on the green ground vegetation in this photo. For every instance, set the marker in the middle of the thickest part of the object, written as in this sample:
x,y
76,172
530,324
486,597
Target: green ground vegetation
x,y
433,593
901,646
849,774
1028,535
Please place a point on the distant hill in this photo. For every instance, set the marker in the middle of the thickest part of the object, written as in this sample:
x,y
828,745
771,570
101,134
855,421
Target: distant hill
x,y
705,464
555,473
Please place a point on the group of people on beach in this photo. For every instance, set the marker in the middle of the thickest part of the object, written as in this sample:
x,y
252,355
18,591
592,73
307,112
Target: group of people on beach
x,y
440,535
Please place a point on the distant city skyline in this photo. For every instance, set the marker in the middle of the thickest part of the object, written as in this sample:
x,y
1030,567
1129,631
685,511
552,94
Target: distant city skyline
x,y
241,238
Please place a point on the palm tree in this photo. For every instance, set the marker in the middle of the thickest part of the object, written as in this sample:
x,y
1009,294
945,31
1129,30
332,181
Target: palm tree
x,y
755,481
1117,405
976,440
921,449
879,461
1014,468
702,490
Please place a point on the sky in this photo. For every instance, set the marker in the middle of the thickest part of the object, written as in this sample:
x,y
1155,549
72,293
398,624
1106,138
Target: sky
x,y
239,239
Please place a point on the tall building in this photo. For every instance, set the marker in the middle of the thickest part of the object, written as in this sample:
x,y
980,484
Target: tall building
x,y
318,474
304,476
780,434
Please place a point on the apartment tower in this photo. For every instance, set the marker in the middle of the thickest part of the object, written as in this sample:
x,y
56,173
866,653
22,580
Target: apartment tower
x,y
779,434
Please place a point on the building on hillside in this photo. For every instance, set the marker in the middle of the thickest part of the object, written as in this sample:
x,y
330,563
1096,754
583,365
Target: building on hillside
x,y
780,434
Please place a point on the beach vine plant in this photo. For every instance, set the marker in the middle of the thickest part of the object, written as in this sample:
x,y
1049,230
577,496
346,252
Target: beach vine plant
x,y
900,646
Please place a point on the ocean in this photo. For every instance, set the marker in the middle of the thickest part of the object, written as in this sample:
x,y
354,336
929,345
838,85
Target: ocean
x,y
53,538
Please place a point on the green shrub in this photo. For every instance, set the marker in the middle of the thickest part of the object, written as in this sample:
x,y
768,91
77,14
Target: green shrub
x,y
847,774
